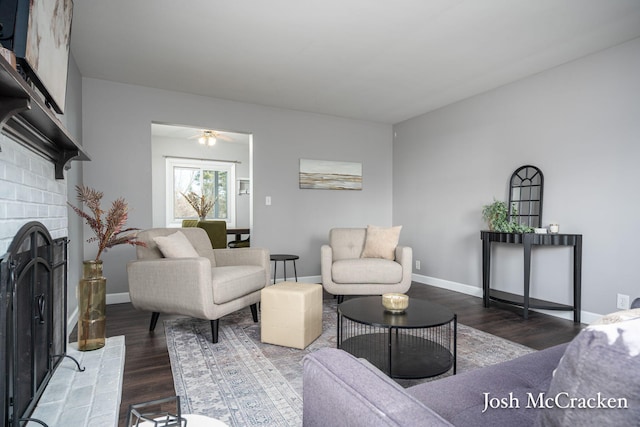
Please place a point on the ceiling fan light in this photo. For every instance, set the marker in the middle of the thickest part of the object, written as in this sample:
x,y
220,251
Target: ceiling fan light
x,y
211,141
202,140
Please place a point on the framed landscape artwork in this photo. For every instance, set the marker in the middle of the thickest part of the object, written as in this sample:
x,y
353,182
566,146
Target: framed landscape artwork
x,y
330,175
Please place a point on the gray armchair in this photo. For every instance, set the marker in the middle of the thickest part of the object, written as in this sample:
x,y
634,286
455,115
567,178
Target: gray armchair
x,y
209,286
346,272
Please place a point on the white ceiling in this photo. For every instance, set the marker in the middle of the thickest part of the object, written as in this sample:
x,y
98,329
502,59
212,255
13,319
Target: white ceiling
x,y
188,133
376,60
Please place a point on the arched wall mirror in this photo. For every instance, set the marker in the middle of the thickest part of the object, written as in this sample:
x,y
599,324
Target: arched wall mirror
x,y
525,196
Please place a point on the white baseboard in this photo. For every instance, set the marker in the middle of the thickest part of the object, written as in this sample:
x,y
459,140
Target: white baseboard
x,y
585,316
448,284
119,298
71,322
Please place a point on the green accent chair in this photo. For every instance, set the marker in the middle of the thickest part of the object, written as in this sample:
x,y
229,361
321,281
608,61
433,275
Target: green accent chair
x,y
190,223
216,230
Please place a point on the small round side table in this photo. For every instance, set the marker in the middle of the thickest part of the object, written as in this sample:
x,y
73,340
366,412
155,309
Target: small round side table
x,y
284,258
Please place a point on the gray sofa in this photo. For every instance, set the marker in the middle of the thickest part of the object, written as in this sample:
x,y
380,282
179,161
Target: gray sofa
x,y
603,361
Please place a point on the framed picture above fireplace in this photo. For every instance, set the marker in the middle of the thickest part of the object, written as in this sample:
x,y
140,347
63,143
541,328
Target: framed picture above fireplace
x,y
38,32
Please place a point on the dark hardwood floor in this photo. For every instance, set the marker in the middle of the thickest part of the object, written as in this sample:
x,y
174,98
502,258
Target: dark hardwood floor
x,y
539,331
147,373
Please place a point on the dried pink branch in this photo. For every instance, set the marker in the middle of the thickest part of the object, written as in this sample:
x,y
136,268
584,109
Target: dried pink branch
x,y
109,230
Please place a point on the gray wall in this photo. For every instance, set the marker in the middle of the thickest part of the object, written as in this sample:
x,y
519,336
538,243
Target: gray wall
x,y
72,119
117,135
579,123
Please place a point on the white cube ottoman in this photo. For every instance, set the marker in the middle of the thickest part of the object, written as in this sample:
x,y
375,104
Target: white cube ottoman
x,y
291,314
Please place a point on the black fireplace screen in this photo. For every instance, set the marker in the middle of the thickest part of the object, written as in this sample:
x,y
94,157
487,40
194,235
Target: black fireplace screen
x,y
33,333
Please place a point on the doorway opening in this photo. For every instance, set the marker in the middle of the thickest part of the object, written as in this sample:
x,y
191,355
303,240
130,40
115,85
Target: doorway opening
x,y
212,164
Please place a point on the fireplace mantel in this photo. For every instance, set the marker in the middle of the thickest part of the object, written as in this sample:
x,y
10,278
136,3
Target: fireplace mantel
x,y
26,118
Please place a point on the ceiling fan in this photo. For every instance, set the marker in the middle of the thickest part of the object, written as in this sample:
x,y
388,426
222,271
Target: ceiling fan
x,y
209,137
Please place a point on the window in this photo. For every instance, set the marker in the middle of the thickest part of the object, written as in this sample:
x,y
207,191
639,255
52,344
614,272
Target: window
x,y
215,180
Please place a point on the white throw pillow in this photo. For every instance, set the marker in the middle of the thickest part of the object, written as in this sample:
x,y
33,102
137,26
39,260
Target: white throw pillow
x,y
176,245
381,242
618,316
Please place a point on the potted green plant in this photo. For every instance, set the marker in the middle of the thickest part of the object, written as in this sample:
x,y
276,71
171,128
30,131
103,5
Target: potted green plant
x,y
109,231
497,216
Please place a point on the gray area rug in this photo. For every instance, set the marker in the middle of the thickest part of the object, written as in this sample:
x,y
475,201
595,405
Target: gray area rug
x,y
244,382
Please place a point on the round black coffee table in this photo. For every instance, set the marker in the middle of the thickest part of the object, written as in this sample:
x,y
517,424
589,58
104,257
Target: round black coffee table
x,y
418,343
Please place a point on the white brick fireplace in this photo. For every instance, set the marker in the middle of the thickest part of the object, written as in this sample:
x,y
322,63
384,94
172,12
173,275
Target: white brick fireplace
x,y
29,192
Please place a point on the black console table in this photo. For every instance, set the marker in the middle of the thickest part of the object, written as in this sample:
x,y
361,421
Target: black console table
x,y
528,240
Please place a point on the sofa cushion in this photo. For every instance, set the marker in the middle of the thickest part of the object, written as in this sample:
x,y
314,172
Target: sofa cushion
x,y
381,242
597,382
366,270
175,245
460,399
233,282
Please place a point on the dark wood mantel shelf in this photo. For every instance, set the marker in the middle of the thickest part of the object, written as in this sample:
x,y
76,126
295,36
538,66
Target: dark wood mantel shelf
x,y
25,118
